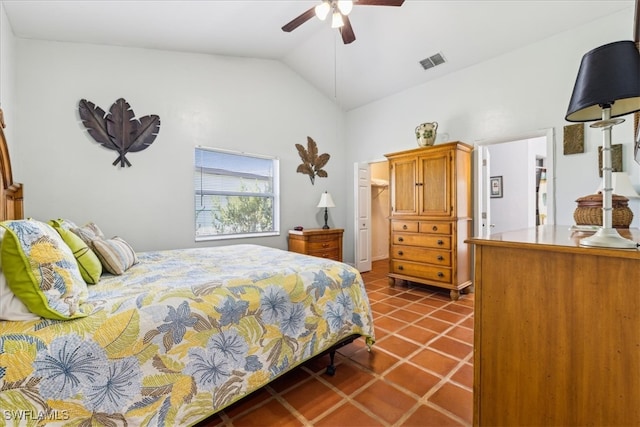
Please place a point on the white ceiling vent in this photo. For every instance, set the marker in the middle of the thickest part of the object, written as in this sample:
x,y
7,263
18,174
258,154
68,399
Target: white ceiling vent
x,y
432,61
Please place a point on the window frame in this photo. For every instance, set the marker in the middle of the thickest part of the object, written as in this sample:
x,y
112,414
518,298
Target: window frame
x,y
275,195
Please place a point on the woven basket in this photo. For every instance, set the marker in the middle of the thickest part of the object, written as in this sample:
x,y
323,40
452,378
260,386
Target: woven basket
x,y
589,211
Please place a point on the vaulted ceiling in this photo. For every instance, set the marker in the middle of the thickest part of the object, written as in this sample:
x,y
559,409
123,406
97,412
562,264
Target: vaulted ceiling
x,y
384,59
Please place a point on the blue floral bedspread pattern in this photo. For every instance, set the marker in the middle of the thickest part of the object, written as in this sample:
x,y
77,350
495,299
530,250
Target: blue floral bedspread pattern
x,y
178,337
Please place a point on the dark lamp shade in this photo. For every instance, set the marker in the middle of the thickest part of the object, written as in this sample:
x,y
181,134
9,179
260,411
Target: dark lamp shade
x,y
609,75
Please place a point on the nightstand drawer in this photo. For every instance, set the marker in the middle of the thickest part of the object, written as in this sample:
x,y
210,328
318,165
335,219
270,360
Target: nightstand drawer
x,y
424,271
323,245
413,253
329,254
425,240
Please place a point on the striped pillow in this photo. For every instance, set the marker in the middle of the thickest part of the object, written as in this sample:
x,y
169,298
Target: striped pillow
x,y
88,233
115,254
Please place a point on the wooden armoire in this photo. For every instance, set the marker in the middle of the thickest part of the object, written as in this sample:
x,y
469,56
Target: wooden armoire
x,y
430,197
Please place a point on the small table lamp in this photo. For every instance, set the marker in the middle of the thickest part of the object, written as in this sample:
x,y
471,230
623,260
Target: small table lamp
x,y
326,202
607,86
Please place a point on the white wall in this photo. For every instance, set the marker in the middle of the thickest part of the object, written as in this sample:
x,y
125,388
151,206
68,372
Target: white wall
x,y
251,105
7,76
262,107
515,94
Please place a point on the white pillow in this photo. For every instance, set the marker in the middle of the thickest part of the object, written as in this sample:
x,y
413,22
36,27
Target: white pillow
x,y
11,308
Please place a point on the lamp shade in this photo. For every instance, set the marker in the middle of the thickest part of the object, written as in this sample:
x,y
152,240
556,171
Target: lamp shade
x,y
609,75
621,185
323,9
326,201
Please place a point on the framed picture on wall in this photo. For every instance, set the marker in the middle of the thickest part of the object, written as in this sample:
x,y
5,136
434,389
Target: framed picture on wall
x,y
495,186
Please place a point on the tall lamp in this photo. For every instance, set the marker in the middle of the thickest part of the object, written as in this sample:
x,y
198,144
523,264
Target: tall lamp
x,y
326,202
607,86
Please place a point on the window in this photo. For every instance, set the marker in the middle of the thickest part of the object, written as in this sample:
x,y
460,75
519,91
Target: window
x,y
236,194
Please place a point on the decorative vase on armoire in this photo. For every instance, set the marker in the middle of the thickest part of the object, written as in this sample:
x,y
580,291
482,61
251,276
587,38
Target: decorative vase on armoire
x,y
426,134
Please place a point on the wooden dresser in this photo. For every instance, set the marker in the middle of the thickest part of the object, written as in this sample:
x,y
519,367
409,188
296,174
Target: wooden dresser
x,y
557,331
324,243
430,197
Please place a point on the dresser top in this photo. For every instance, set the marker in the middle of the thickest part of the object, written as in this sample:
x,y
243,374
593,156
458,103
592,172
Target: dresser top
x,y
316,231
558,238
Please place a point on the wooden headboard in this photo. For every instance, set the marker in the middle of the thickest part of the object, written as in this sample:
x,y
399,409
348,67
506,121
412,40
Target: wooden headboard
x,y
11,203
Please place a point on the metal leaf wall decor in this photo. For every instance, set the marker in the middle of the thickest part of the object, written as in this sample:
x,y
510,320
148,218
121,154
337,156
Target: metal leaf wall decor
x,y
119,130
312,163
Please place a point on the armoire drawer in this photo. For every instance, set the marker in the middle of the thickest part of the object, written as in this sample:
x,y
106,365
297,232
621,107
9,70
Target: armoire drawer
x,y
425,240
408,226
413,253
423,271
434,227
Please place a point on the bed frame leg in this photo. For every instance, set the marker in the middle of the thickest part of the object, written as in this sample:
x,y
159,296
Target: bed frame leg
x,y
331,369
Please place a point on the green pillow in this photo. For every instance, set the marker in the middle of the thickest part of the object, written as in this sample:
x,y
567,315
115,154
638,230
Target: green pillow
x,y
88,262
42,272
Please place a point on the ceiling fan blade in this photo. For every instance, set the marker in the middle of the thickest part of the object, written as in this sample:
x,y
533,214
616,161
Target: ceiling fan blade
x,y
378,2
348,36
296,22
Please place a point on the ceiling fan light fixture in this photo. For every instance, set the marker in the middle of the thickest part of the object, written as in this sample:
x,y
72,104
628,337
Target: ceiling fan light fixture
x,y
336,20
322,10
345,6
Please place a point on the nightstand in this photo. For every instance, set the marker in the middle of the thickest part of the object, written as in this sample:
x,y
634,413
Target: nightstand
x,y
324,243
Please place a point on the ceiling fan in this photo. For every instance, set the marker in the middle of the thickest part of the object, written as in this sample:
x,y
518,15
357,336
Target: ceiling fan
x,y
339,15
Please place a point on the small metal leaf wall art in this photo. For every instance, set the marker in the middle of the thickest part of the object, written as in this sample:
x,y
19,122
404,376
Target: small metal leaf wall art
x,y
119,130
312,163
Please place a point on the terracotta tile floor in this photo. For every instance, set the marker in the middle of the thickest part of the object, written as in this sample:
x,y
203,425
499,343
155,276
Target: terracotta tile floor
x,y
419,372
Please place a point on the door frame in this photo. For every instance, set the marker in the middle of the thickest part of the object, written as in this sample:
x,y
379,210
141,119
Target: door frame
x,y
481,186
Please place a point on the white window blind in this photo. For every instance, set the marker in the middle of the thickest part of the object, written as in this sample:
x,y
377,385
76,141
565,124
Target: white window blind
x,y
236,194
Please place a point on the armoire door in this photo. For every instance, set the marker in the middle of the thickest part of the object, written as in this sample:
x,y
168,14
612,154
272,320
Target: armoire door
x,y
403,174
434,184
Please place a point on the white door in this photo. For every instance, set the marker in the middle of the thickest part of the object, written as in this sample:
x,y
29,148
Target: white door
x,y
484,201
362,227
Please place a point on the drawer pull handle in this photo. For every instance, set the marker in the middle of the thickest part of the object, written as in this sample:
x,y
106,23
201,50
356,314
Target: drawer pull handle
x,y
400,253
440,258
400,239
435,228
404,227
325,245
400,267
440,274
440,242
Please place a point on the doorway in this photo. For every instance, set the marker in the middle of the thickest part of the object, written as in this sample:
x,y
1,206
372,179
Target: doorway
x,y
380,210
371,204
514,183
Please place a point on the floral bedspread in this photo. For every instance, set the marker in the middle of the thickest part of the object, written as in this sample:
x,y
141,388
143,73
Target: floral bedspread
x,y
178,337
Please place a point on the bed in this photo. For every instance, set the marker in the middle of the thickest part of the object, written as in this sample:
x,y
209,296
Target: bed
x,y
176,337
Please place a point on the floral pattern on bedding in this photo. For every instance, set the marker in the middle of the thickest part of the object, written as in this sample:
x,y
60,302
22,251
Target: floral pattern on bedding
x,y
178,337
